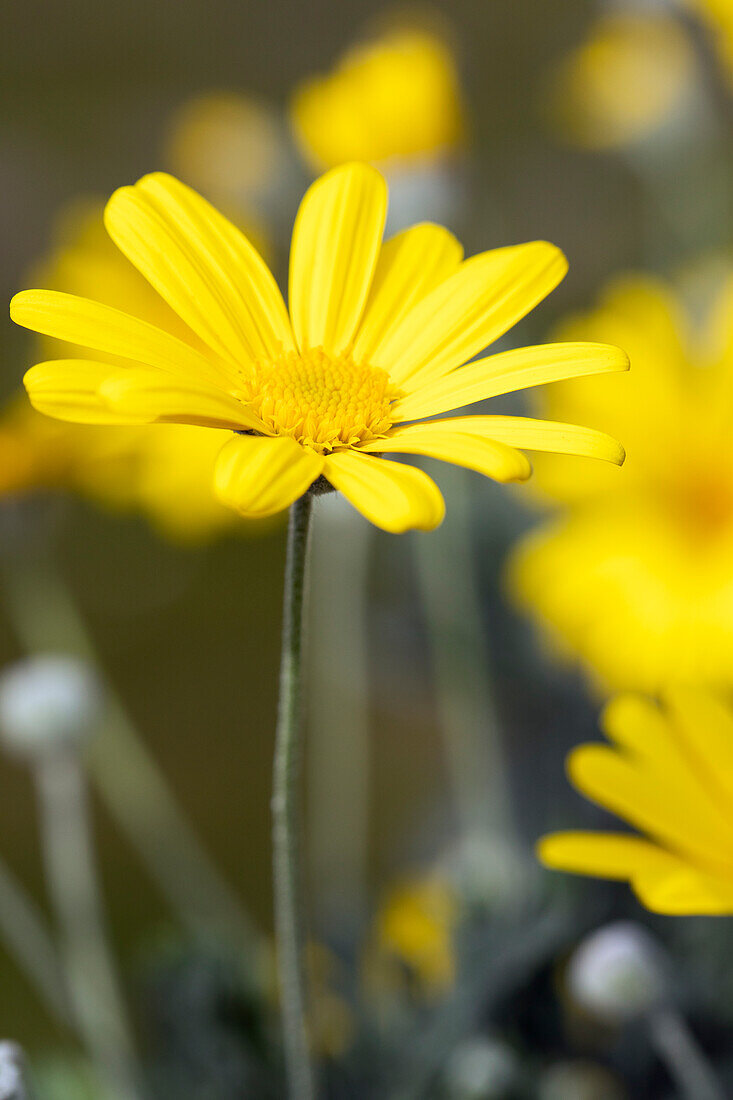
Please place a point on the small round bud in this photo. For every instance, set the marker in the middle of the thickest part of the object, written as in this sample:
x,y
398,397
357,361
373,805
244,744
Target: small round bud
x,y
490,874
47,702
481,1069
579,1081
12,1072
617,973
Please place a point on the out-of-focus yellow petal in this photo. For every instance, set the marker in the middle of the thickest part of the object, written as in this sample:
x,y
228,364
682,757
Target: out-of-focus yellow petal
x,y
336,241
651,802
705,724
486,456
608,855
69,389
682,890
155,396
506,372
537,435
257,476
396,498
203,266
102,328
468,311
410,265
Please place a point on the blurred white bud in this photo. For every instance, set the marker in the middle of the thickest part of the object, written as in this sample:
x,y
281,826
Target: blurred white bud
x,y
47,702
617,973
12,1072
579,1081
491,874
481,1069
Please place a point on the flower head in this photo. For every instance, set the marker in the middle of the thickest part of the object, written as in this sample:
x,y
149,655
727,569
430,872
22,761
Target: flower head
x,y
634,73
636,577
669,773
394,99
376,335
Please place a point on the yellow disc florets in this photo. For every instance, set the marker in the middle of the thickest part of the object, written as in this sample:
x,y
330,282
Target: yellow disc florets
x,y
325,402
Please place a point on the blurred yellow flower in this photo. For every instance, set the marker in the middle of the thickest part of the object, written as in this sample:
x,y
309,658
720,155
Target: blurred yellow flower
x,y
166,474
232,148
636,579
633,73
394,99
376,336
669,773
415,929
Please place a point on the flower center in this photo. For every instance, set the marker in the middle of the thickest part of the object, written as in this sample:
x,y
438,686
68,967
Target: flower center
x,y
325,402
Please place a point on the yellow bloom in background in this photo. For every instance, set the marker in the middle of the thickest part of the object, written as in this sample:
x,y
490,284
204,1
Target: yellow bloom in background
x,y
669,774
235,150
414,936
395,99
635,578
634,72
376,337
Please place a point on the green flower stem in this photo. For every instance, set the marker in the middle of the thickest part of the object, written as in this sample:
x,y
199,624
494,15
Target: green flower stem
x,y
24,933
44,617
71,876
685,1061
289,917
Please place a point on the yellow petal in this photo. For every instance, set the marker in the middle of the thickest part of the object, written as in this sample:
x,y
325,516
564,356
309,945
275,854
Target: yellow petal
x,y
704,725
671,746
486,456
682,890
102,328
396,498
69,389
506,372
202,265
258,477
468,311
537,435
410,265
607,855
156,396
652,803
336,240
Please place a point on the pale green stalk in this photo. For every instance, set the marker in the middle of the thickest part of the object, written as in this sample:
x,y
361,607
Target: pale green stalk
x,y
129,780
462,670
338,749
96,1000
686,1064
26,936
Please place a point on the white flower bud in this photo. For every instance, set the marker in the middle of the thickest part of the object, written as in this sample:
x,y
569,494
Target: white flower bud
x,y
12,1077
491,874
481,1069
617,973
579,1081
46,702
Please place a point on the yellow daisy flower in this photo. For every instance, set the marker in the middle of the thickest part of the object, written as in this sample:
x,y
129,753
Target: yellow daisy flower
x,y
669,773
635,71
635,578
396,98
377,336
